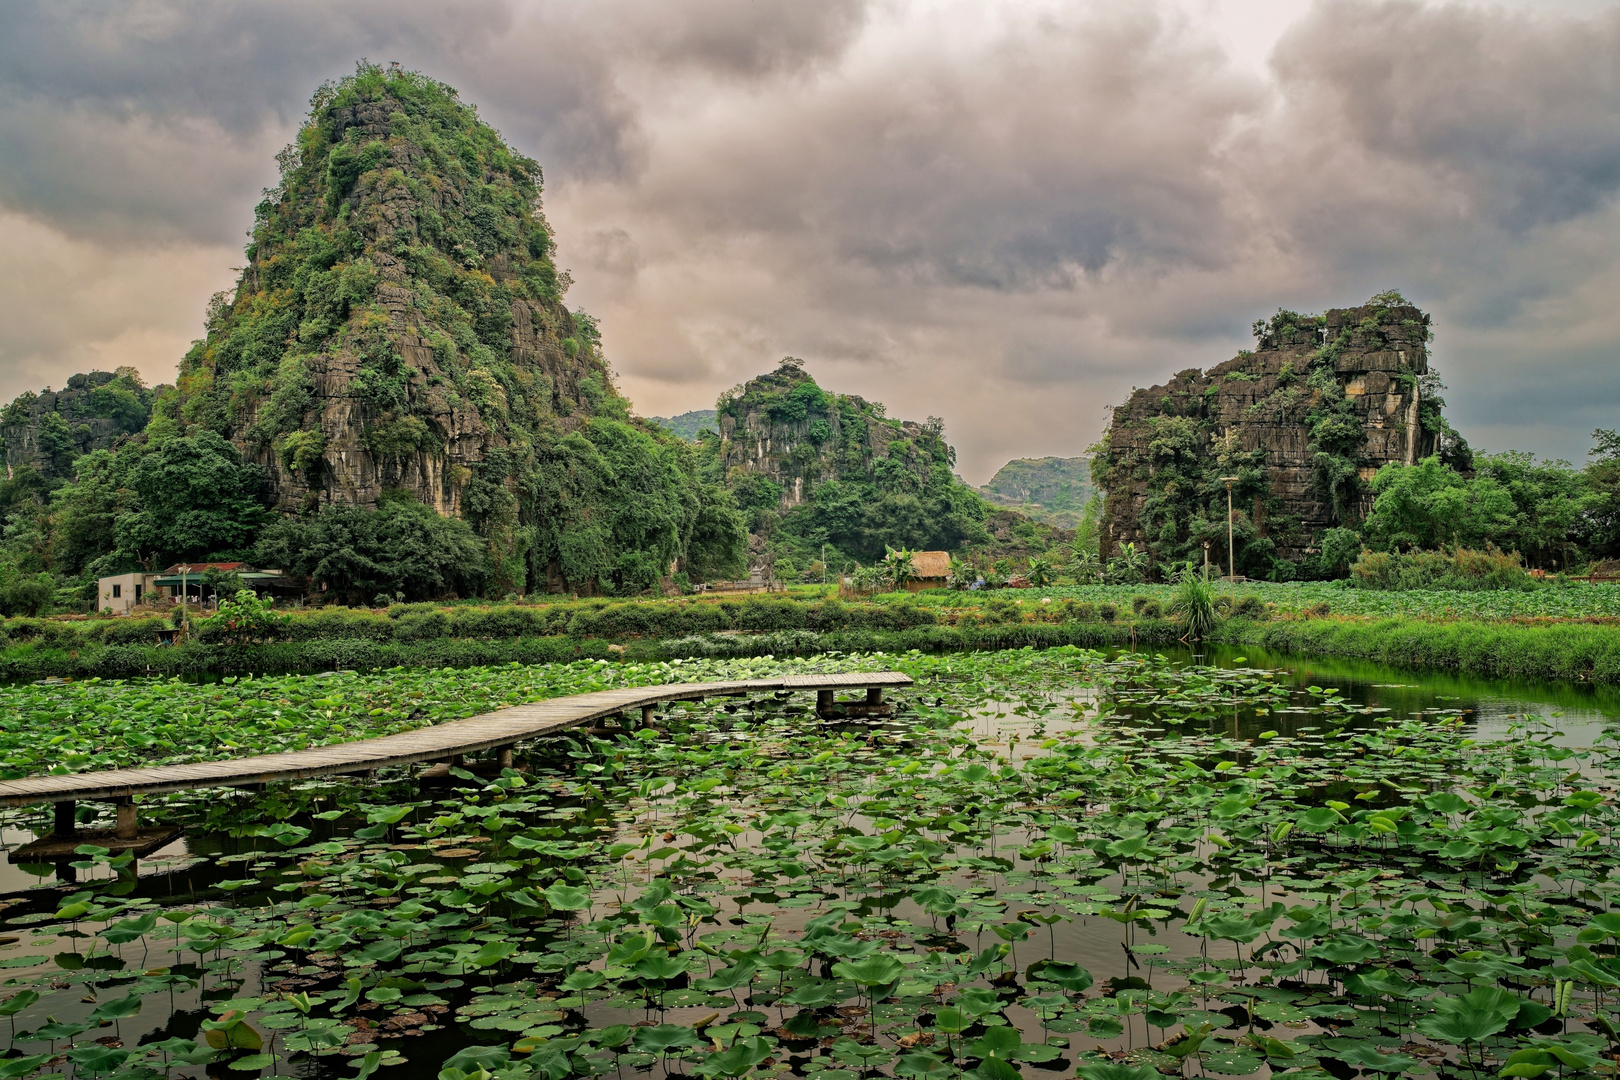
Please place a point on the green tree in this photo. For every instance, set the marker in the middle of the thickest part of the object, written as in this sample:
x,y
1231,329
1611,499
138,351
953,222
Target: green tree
x,y
356,552
1429,504
196,499
86,513
719,544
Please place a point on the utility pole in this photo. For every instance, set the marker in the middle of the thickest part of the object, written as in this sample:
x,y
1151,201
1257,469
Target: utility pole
x,y
1206,562
1231,548
185,615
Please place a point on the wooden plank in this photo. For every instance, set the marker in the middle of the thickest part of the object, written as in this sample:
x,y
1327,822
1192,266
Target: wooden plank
x,y
470,736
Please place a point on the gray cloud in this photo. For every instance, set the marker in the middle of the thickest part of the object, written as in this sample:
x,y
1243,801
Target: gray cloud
x,y
1006,216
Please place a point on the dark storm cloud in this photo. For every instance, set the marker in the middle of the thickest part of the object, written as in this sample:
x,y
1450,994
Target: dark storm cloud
x,y
1513,118
162,119
978,211
1053,152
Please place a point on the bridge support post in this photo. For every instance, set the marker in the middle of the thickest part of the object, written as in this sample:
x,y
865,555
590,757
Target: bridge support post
x,y
127,825
874,695
503,757
824,703
646,715
67,822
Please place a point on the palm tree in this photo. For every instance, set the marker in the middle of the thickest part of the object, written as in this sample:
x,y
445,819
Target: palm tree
x,y
1086,567
963,574
897,566
1128,565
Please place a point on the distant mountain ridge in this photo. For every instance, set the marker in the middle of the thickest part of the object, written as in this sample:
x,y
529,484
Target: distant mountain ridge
x,y
687,424
1051,489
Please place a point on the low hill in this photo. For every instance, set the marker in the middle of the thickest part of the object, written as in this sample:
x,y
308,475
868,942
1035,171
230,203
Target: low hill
x,y
49,430
1050,489
687,424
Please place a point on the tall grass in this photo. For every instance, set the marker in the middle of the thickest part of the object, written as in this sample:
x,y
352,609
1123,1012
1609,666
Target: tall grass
x,y
1194,601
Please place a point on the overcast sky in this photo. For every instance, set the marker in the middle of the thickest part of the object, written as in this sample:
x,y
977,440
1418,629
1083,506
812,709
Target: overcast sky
x,y
1007,215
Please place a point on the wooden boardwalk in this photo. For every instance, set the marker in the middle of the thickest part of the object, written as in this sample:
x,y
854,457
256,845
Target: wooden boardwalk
x,y
492,731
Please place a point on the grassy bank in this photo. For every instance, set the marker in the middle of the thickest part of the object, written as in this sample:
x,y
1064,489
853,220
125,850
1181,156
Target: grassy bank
x,y
194,659
1555,652
1569,649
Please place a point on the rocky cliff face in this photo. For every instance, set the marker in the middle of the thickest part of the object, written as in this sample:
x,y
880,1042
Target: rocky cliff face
x,y
1303,422
785,429
399,324
47,431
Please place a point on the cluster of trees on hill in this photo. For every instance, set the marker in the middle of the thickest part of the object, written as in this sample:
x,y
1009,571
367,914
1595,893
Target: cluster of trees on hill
x,y
865,483
1541,514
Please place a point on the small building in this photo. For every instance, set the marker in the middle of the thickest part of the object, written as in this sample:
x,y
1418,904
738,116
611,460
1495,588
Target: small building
x,y
121,592
930,570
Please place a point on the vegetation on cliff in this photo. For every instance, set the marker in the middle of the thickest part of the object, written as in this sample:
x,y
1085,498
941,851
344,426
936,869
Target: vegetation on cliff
x,y
812,468
1299,425
1050,489
397,334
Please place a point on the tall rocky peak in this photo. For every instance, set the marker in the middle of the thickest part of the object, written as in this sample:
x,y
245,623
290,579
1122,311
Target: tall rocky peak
x,y
399,324
49,430
1303,421
783,428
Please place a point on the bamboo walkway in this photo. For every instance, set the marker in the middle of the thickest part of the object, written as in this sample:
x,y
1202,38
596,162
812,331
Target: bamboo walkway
x,y
499,730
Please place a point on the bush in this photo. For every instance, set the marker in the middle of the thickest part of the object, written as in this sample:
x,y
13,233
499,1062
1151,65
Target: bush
x,y
1250,607
1085,611
1138,602
1108,612
1463,570
1150,610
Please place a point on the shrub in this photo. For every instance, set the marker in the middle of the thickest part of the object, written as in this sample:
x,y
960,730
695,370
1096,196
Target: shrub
x,y
1085,611
1108,612
1138,602
1463,569
1150,610
1195,603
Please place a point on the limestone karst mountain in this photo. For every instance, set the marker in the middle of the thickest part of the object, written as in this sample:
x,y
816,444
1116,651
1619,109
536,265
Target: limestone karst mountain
x,y
1303,422
400,327
48,431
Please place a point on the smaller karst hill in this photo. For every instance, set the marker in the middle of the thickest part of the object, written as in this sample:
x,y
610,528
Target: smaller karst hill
x,y
48,431
1302,422
1051,489
811,467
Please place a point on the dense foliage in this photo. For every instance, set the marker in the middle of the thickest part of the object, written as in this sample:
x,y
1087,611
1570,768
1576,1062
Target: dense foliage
x,y
1051,489
398,328
821,474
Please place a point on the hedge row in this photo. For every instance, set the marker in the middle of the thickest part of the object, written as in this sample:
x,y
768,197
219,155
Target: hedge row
x,y
1560,652
199,658
423,622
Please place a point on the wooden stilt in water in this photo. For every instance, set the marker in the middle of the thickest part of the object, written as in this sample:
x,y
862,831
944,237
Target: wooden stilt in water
x,y
503,757
127,826
67,823
647,715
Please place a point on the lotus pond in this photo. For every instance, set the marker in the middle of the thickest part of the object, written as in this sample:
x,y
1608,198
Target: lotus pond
x,y
1121,865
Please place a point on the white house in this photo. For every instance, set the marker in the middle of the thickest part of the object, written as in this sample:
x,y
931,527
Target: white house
x,y
121,592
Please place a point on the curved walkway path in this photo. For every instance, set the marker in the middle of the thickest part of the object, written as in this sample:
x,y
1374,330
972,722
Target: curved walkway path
x,y
497,730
